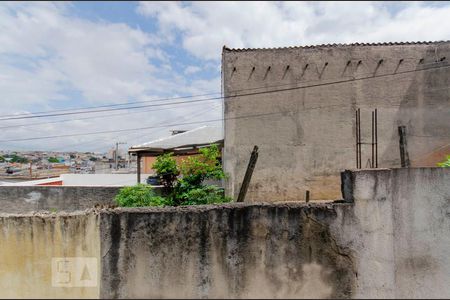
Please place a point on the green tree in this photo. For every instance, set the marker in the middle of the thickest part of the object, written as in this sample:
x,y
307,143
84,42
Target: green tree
x,y
18,159
446,163
53,160
167,169
187,190
195,169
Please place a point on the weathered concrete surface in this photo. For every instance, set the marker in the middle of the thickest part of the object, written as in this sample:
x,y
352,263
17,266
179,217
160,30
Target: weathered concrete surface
x,y
307,136
23,199
390,240
400,227
228,251
28,244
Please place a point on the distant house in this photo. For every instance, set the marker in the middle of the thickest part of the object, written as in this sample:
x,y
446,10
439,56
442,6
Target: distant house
x,y
181,143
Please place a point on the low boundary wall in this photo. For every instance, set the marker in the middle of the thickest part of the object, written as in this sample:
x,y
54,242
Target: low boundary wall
x,y
389,240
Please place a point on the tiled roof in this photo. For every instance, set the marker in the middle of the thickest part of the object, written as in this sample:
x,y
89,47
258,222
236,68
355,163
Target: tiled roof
x,y
225,48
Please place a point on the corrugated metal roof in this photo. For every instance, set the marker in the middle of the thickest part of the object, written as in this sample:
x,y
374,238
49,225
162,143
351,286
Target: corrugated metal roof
x,y
199,136
225,48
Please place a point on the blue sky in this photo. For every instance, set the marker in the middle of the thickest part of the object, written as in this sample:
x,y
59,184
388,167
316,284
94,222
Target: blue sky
x,y
76,54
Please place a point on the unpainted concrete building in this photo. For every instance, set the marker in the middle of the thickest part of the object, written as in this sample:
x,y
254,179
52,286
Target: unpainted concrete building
x,y
298,105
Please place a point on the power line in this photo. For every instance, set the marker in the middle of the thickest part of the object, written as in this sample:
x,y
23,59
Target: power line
x,y
138,112
109,109
27,116
234,96
110,105
150,127
87,118
127,137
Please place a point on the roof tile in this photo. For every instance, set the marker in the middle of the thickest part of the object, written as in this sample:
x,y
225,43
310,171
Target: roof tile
x,y
225,48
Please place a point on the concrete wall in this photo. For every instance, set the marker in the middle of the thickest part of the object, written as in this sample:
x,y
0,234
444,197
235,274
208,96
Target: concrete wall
x,y
307,136
101,179
23,199
230,251
390,241
399,227
30,242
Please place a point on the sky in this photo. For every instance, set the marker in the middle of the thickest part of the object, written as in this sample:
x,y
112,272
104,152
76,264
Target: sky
x,y
67,55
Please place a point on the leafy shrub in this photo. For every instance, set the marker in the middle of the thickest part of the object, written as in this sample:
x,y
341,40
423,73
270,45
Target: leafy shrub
x,y
197,168
167,169
140,195
188,190
207,194
445,164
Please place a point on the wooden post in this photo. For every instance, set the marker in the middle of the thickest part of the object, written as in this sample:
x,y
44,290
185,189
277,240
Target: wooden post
x,y
248,174
138,167
307,196
404,157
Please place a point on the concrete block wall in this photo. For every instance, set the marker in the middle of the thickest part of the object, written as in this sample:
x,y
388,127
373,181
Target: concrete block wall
x,y
306,136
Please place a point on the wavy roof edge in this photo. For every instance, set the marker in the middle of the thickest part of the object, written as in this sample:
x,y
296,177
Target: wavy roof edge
x,y
225,48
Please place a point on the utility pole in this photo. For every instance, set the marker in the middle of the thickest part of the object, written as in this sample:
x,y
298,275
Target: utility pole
x,y
116,154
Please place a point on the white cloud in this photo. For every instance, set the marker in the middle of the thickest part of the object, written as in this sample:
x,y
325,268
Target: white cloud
x,y
48,55
189,70
104,62
206,26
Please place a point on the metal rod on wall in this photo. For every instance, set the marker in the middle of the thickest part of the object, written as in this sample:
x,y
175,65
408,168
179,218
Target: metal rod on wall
x,y
356,137
359,136
376,138
372,163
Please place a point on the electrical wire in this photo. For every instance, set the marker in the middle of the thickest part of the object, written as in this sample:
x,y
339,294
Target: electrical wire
x,y
16,117
86,118
163,126
190,116
230,96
